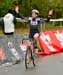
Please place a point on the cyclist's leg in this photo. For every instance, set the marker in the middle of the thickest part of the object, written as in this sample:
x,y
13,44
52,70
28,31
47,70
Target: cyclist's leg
x,y
31,34
34,35
37,41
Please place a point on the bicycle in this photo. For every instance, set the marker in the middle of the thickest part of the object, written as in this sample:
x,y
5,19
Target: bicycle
x,y
29,55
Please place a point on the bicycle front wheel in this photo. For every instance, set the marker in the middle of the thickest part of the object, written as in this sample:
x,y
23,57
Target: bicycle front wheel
x,y
29,58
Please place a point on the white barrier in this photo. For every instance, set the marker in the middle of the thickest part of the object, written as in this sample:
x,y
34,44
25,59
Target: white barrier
x,y
51,20
20,20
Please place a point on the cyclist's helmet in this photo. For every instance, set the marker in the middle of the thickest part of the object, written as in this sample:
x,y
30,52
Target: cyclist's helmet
x,y
35,11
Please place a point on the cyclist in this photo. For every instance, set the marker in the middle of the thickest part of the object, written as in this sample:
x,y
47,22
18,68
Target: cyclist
x,y
35,23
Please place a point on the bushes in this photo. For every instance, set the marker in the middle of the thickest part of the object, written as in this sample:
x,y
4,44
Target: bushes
x,y
27,5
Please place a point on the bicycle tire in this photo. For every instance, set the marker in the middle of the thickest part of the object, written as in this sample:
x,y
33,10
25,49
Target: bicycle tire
x,y
32,58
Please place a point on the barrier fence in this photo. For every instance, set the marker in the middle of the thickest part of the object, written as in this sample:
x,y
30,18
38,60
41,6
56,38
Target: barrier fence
x,y
51,42
51,20
10,50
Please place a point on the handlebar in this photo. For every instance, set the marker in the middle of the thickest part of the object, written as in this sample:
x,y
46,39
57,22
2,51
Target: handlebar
x,y
26,40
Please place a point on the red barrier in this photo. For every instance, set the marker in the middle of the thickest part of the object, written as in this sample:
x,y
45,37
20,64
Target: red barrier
x,y
2,54
54,42
51,42
59,36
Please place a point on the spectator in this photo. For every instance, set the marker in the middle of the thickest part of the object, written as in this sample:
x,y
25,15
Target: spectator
x,y
9,20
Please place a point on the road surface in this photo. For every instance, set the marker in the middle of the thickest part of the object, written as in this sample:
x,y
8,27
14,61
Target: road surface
x,y
46,65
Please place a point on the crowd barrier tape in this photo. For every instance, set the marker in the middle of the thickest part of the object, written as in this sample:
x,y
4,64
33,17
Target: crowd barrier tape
x,y
51,42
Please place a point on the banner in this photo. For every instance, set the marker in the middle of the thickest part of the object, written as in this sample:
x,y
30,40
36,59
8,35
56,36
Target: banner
x,y
59,36
51,42
2,54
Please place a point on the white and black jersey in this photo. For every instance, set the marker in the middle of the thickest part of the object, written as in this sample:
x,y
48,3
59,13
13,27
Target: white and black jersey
x,y
35,23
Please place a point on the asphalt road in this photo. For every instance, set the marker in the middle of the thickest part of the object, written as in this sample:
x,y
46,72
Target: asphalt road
x,y
46,65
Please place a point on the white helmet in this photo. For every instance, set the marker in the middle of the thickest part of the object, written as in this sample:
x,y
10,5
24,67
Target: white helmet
x,y
35,11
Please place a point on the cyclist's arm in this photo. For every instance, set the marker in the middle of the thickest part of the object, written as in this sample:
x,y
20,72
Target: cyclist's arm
x,y
27,19
17,14
49,16
20,16
48,19
45,20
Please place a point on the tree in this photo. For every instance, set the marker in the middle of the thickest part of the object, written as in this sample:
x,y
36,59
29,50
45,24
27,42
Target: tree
x,y
27,5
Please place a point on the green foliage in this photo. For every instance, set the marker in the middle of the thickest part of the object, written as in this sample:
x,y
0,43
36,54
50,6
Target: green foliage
x,y
27,5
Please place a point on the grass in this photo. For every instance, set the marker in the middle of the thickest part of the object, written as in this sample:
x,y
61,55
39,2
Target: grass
x,y
46,27
50,27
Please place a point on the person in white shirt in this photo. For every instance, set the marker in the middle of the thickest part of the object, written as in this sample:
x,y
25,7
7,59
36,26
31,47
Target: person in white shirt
x,y
9,21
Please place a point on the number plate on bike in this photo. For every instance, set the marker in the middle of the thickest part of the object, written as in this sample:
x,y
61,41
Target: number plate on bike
x,y
23,47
